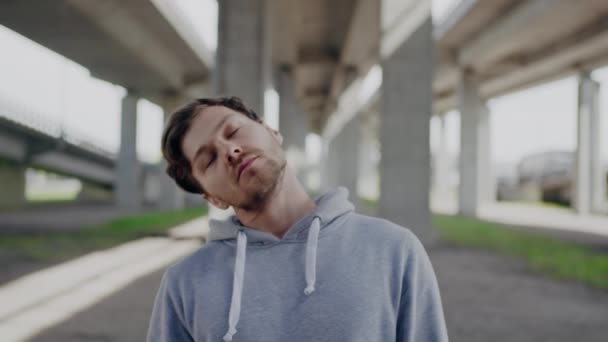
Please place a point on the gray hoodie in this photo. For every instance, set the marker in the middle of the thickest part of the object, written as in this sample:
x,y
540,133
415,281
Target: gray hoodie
x,y
334,276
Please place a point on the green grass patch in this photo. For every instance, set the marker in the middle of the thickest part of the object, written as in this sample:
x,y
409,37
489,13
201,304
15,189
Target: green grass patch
x,y
65,196
65,245
545,254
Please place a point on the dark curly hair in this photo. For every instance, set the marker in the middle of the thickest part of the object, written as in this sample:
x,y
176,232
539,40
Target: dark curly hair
x,y
178,166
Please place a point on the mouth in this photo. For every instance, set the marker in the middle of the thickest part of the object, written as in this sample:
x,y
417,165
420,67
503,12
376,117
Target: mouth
x,y
244,165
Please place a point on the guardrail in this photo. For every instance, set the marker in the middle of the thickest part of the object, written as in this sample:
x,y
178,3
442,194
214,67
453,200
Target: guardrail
x,y
22,115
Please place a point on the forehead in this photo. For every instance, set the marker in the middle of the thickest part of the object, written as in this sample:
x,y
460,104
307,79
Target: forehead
x,y
203,126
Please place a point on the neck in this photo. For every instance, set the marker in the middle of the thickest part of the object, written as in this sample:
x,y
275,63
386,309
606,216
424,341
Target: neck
x,y
288,203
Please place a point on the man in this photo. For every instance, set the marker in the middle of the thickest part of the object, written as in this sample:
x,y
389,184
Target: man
x,y
284,267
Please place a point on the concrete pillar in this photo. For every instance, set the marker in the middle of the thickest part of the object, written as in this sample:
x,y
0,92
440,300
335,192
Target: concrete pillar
x,y
329,164
367,182
240,54
292,121
590,187
347,159
12,178
292,124
406,107
171,196
369,156
441,162
94,193
474,163
341,164
127,189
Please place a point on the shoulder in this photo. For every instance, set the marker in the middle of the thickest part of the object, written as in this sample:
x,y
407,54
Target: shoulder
x,y
379,230
196,265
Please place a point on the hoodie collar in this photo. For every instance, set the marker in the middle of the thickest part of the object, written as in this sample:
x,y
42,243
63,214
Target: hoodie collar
x,y
329,206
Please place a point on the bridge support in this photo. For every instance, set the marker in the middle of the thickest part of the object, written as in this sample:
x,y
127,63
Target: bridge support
x,y
406,106
475,154
128,170
94,193
292,124
12,178
171,196
441,162
343,158
240,54
590,183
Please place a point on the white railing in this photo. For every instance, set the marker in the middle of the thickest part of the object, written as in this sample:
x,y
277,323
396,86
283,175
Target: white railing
x,y
27,117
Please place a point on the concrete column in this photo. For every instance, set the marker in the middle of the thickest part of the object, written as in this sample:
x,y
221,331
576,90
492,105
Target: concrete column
x,y
474,163
341,165
94,193
347,158
171,196
127,189
590,179
292,124
292,121
240,53
441,162
406,106
369,156
12,178
367,182
329,165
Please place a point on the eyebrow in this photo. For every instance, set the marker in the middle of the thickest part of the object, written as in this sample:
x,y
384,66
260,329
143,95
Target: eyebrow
x,y
203,147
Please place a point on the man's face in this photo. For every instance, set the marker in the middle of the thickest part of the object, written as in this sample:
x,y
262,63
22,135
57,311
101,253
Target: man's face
x,y
236,160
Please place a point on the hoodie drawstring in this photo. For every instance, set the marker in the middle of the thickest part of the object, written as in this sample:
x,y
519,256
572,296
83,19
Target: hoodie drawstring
x,y
311,256
239,270
237,285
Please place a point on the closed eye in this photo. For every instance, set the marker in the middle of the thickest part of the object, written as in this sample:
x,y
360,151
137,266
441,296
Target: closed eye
x,y
233,133
208,163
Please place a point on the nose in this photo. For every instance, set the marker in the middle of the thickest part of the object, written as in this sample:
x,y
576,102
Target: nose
x,y
233,153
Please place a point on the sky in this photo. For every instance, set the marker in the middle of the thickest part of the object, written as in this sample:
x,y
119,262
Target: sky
x,y
536,119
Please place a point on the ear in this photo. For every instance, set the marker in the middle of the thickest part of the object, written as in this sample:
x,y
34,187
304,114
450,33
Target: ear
x,y
216,202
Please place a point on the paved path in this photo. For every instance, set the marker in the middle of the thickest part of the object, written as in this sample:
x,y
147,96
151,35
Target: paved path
x,y
121,317
486,297
50,296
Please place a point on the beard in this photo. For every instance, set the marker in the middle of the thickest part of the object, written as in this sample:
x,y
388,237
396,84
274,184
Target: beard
x,y
262,184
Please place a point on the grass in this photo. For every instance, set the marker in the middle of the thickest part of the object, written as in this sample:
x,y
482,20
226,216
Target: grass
x,y
65,245
544,254
65,196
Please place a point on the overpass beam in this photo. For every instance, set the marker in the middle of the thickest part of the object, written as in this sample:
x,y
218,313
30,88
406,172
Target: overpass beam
x,y
475,159
406,103
241,51
126,188
590,186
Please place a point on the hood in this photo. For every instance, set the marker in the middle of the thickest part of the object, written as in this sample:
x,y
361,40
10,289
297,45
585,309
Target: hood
x,y
330,206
